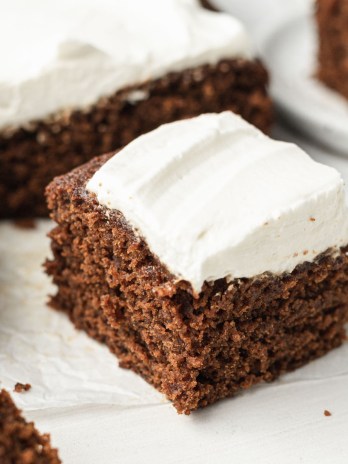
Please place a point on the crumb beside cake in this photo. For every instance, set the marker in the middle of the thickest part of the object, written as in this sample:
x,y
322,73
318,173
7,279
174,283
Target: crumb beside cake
x,y
21,387
207,256
20,442
332,22
107,73
208,4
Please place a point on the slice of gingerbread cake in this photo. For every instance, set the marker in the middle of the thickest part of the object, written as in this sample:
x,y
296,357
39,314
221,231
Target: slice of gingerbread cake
x,y
332,23
85,77
20,442
207,256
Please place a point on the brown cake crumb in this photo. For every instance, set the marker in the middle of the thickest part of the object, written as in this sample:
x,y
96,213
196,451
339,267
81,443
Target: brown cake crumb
x,y
21,387
20,442
327,413
208,5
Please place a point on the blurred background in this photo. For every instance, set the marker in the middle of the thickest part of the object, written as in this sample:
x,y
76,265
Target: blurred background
x,y
299,100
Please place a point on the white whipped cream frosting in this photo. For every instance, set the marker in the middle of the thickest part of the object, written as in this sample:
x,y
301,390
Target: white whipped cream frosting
x,y
214,197
67,54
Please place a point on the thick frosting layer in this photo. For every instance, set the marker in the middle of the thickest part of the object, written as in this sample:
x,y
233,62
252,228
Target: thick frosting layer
x,y
214,197
68,54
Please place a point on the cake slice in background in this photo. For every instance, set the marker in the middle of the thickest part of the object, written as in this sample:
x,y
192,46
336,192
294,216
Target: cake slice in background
x,y
20,442
83,78
332,23
207,256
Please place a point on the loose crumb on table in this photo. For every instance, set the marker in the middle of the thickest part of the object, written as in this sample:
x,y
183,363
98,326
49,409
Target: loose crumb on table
x,y
21,387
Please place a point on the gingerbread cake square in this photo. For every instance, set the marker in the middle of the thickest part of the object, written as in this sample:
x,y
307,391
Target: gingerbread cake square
x,y
206,256
20,442
105,73
332,24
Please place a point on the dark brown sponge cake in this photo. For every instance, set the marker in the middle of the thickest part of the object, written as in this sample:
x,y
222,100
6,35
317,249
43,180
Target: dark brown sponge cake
x,y
332,23
195,350
20,442
32,155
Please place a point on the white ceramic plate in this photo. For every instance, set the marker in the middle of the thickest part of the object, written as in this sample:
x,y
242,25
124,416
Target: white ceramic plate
x,y
290,55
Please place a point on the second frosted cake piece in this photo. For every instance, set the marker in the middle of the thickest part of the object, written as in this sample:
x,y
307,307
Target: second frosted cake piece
x,y
207,256
106,72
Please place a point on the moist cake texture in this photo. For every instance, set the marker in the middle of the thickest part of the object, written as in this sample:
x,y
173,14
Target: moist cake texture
x,y
200,340
32,155
332,22
107,75
20,442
